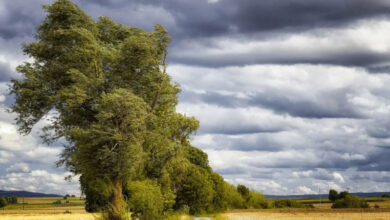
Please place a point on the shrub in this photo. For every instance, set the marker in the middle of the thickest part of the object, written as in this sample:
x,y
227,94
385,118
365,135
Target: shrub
x,y
350,201
256,200
196,192
287,203
386,195
57,202
233,197
342,195
3,202
146,201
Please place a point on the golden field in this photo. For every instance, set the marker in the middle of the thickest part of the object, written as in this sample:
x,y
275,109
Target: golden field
x,y
44,209
259,215
306,216
32,216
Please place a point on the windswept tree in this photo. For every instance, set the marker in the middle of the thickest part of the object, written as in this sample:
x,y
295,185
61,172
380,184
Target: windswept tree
x,y
105,89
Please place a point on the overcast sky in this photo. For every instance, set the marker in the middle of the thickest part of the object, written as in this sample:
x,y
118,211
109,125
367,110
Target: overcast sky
x,y
293,96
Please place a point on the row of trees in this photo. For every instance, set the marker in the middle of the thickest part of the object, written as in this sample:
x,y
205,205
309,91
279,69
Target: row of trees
x,y
106,90
187,185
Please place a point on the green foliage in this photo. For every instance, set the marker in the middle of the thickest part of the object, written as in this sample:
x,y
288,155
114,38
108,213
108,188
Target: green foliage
x,y
257,200
11,199
342,195
287,203
57,202
145,201
386,195
196,192
233,197
197,157
96,195
244,191
3,202
350,201
333,195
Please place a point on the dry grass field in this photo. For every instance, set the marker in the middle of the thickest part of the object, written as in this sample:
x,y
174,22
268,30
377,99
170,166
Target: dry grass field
x,y
44,209
32,216
306,216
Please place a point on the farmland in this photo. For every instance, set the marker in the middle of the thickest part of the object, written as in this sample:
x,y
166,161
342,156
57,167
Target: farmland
x,y
45,209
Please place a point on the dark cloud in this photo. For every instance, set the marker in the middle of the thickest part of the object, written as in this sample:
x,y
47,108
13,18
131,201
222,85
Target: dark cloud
x,y
19,18
5,72
351,57
330,104
202,18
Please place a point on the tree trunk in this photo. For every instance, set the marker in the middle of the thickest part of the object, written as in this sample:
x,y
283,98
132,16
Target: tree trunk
x,y
116,200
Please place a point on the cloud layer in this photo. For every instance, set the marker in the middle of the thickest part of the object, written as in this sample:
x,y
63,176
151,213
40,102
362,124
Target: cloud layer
x,y
291,95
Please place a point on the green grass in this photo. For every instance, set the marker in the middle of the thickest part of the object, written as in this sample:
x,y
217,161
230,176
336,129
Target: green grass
x,y
44,203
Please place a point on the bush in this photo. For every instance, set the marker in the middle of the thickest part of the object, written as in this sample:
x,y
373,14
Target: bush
x,y
342,195
256,200
386,195
146,201
3,202
287,203
233,197
57,202
196,192
350,201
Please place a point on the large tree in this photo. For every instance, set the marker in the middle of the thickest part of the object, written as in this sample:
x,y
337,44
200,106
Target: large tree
x,y
104,88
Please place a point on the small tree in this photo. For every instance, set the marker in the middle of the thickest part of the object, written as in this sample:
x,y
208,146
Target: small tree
x,y
333,195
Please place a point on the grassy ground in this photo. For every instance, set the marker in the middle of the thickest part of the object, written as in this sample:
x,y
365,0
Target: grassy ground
x,y
45,206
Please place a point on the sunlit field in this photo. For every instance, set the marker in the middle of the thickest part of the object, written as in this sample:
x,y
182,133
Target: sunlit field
x,y
296,215
44,209
74,216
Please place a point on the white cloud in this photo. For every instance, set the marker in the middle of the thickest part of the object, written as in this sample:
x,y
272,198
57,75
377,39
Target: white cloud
x,y
39,181
338,177
18,168
305,190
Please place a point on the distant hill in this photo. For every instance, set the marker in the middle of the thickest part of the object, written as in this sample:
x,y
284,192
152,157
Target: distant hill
x,y
313,196
26,194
